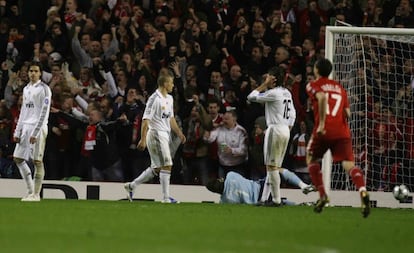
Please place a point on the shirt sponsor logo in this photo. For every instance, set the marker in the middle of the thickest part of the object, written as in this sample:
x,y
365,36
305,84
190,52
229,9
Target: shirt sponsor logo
x,y
29,105
165,115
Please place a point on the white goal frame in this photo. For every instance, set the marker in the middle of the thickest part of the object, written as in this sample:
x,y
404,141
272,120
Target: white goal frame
x,y
381,199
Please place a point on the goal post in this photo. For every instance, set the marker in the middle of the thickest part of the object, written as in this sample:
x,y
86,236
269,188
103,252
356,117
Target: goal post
x,y
397,33
376,67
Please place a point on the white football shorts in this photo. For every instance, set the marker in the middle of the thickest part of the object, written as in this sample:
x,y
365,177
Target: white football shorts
x,y
159,148
25,150
276,141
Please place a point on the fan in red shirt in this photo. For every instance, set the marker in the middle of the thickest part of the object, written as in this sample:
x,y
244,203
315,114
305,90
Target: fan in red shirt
x,y
331,131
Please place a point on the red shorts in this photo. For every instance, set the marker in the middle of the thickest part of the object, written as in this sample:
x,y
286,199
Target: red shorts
x,y
341,149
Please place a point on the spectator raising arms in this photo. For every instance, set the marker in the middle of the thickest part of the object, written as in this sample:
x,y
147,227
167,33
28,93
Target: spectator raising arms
x,y
280,116
232,139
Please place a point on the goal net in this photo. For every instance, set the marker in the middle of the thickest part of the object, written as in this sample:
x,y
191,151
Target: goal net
x,y
376,67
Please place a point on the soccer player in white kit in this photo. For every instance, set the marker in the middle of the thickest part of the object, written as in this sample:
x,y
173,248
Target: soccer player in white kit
x,y
280,117
158,121
31,131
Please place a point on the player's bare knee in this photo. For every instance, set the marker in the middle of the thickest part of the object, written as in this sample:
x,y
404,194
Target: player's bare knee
x,y
157,170
348,165
18,160
39,166
37,163
166,168
39,169
309,159
273,168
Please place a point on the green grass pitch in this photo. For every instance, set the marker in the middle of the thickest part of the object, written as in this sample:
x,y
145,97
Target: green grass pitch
x,y
119,226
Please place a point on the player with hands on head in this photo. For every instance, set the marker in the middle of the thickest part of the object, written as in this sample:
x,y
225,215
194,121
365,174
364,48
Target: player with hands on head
x,y
280,117
331,131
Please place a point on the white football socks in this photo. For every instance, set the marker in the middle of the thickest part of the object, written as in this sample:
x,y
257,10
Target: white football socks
x,y
266,190
274,180
38,177
26,175
302,185
145,176
165,183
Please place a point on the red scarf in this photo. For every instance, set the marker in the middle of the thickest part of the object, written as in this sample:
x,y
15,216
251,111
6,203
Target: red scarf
x,y
89,140
70,18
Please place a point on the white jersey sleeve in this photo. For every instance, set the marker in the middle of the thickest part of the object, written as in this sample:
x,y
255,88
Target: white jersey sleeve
x,y
252,97
44,97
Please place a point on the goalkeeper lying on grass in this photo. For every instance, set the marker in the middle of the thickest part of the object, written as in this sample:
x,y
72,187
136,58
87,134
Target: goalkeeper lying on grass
x,y
235,189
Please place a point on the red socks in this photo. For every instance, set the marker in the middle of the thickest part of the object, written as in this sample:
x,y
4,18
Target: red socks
x,y
316,176
357,177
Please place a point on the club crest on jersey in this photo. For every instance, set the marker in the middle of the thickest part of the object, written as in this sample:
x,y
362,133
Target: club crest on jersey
x,y
46,101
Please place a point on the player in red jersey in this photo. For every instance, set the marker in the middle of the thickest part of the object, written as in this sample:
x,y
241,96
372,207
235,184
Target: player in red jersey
x,y
331,131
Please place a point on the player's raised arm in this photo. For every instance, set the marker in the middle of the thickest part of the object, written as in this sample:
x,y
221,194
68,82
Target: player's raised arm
x,y
257,96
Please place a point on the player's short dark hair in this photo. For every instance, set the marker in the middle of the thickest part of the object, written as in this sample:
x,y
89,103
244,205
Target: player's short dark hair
x,y
36,63
280,75
216,185
324,67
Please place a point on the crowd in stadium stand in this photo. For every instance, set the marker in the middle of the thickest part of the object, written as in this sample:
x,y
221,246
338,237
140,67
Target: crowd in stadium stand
x,y
107,54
